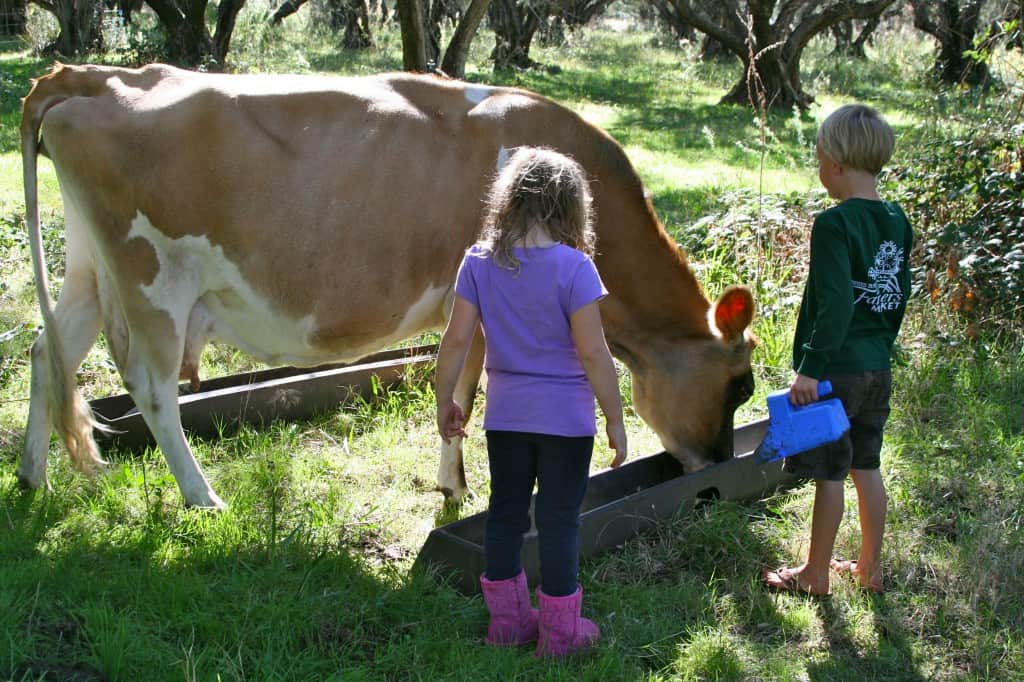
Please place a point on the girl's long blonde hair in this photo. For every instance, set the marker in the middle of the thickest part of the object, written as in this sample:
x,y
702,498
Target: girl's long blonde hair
x,y
538,186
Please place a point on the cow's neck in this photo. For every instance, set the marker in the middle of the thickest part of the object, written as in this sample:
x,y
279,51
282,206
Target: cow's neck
x,y
653,291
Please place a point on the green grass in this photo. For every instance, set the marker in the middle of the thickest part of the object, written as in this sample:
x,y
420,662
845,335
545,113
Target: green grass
x,y
308,575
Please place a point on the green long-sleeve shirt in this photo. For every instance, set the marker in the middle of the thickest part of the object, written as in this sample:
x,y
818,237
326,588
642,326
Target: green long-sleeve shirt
x,y
856,291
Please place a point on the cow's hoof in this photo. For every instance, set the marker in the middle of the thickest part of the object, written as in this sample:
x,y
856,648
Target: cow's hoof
x,y
213,504
455,498
24,483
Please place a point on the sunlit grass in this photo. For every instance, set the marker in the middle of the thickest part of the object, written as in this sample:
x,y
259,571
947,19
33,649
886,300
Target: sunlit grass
x,y
307,575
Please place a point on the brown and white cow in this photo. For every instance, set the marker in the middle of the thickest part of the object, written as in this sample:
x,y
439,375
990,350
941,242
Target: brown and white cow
x,y
305,219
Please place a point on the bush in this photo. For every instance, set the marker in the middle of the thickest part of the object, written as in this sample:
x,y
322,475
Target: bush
x,y
964,194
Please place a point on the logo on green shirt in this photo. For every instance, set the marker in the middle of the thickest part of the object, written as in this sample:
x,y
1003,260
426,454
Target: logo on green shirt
x,y
883,292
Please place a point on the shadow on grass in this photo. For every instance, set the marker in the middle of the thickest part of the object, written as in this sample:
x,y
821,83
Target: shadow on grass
x,y
573,86
189,593
892,659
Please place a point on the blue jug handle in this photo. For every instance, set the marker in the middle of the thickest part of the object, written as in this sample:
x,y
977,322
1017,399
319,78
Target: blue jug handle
x,y
824,388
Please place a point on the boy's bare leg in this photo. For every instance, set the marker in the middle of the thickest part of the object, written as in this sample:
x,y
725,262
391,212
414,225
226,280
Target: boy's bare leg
x,y
872,503
813,576
828,513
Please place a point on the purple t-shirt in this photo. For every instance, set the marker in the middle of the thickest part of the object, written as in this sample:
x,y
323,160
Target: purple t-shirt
x,y
535,381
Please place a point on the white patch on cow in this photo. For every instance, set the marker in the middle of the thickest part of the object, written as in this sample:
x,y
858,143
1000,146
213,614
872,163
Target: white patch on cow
x,y
191,268
477,93
176,284
502,159
421,313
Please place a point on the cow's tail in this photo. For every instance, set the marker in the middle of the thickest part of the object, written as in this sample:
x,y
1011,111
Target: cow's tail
x,y
70,415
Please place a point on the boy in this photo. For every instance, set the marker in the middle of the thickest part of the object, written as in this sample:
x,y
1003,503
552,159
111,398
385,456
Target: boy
x,y
853,303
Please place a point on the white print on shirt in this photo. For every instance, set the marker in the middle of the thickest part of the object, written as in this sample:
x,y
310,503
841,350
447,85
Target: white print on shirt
x,y
883,293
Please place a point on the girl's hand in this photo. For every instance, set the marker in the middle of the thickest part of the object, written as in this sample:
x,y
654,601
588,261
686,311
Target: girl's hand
x,y
450,420
803,391
617,442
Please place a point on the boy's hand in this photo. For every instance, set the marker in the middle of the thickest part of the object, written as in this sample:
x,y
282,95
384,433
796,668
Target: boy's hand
x,y
617,442
450,420
804,390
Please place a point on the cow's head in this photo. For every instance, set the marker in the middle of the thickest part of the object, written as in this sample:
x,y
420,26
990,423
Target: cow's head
x,y
687,389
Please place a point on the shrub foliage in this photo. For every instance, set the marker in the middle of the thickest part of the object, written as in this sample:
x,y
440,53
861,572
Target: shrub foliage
x,y
964,193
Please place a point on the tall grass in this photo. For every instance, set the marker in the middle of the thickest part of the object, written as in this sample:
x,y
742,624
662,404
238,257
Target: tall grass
x,y
308,574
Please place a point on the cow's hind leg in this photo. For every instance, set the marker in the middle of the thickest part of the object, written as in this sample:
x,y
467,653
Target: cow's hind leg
x,y
451,476
54,399
151,377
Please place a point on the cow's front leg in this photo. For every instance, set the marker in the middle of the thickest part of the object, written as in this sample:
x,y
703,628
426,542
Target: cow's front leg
x,y
451,476
77,317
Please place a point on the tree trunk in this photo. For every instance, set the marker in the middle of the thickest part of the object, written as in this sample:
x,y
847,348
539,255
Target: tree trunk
x,y
666,11
842,33
712,49
437,12
358,32
514,26
127,9
414,39
774,84
80,23
954,24
774,42
455,56
227,12
1014,12
188,41
352,18
13,17
287,8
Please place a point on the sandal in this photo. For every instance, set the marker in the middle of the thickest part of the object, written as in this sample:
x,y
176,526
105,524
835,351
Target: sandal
x,y
787,580
849,567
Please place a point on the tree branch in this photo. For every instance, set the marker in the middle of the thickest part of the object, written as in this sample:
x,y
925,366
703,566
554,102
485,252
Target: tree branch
x,y
168,12
703,23
830,15
288,8
50,7
790,10
923,20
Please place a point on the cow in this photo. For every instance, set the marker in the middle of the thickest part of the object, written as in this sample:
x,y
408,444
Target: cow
x,y
307,219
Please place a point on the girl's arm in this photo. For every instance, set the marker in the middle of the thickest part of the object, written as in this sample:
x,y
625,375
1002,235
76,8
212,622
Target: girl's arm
x,y
451,356
588,336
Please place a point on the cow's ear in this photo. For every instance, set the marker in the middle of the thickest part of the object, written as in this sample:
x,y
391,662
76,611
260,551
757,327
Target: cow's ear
x,y
734,311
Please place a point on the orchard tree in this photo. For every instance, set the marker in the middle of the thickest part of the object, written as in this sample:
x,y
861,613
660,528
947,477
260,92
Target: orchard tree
x,y
188,39
711,49
769,37
421,41
955,25
350,17
851,38
79,23
13,17
515,24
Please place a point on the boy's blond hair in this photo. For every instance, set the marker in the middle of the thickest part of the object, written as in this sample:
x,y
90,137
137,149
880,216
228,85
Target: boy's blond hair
x,y
856,135
538,186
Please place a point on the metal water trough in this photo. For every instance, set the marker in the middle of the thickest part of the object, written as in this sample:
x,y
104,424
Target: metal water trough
x,y
262,397
619,504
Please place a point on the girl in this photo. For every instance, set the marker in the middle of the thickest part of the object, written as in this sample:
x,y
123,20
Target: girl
x,y
531,283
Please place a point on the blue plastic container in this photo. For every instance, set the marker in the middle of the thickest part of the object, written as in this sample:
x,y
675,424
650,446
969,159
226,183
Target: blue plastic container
x,y
792,430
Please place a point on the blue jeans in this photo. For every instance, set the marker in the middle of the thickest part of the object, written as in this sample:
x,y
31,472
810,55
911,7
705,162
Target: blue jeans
x,y
561,468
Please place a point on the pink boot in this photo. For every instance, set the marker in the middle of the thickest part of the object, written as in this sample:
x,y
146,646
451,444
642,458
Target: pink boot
x,y
562,631
513,620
